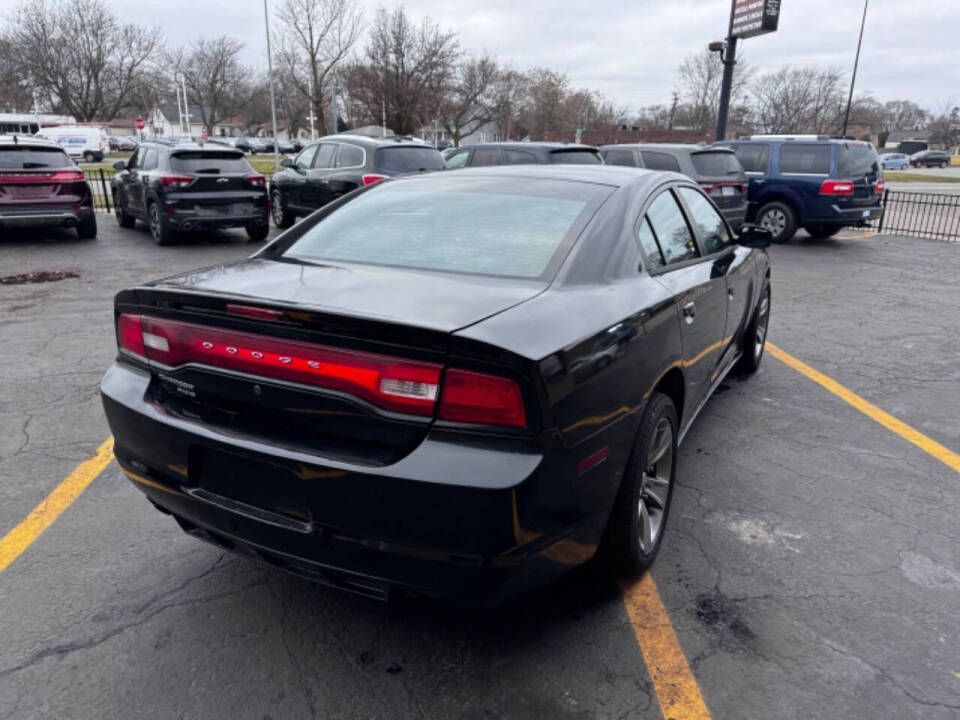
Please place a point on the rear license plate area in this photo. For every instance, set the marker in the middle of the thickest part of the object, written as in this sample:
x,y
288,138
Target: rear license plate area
x,y
20,192
224,210
262,485
728,190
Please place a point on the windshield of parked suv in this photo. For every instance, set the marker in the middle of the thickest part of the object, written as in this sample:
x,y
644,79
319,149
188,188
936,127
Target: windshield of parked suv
x,y
27,158
857,160
716,164
407,159
575,157
487,226
209,162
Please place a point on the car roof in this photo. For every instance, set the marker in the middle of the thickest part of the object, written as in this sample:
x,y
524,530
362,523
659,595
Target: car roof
x,y
670,147
536,145
612,175
26,141
390,141
183,145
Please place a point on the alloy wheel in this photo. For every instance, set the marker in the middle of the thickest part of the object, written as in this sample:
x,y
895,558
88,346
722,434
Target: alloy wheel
x,y
763,317
655,485
155,228
775,221
276,206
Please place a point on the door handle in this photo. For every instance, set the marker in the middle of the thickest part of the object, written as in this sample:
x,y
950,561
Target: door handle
x,y
689,311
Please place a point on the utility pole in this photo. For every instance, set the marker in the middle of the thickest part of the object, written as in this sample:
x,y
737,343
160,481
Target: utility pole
x,y
383,127
273,102
333,106
176,87
728,55
186,109
856,62
312,117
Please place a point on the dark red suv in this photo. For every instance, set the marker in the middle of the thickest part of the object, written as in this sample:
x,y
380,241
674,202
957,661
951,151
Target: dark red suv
x,y
40,186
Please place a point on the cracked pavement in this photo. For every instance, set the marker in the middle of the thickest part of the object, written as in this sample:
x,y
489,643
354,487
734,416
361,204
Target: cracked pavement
x,y
811,566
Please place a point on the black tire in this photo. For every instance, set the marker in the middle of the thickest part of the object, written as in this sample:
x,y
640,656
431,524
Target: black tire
x,y
779,218
623,541
89,156
754,340
123,219
87,229
162,235
257,232
943,165
822,232
282,217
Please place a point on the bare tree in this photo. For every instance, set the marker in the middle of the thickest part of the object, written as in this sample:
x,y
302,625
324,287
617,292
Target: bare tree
x,y
15,93
313,38
542,109
404,70
216,80
79,56
799,100
472,100
699,80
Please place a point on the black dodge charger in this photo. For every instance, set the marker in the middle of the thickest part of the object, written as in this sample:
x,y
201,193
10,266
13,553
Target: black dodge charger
x,y
456,384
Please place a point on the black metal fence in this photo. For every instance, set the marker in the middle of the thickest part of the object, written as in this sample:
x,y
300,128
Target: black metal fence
x,y
99,181
924,214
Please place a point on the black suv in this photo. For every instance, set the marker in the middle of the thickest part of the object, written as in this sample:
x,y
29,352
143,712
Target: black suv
x,y
715,169
522,153
338,164
930,158
178,187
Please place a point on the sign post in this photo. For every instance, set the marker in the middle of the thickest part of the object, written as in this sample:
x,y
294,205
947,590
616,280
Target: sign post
x,y
203,134
748,18
139,123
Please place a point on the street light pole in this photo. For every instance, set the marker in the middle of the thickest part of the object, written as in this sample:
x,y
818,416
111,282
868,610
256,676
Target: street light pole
x,y
273,102
728,56
856,62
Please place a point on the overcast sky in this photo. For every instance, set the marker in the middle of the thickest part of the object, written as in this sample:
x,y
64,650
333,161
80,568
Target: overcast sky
x,y
629,51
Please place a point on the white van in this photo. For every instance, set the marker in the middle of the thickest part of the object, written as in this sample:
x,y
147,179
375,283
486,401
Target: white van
x,y
79,141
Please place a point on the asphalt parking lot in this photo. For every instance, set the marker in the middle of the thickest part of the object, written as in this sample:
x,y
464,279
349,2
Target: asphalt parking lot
x,y
811,568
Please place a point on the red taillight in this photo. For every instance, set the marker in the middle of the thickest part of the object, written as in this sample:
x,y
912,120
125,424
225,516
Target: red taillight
x,y
130,334
371,179
482,399
257,180
880,186
62,176
255,312
391,383
176,181
67,176
836,187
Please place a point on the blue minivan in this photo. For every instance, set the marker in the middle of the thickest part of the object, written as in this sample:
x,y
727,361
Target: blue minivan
x,y
819,184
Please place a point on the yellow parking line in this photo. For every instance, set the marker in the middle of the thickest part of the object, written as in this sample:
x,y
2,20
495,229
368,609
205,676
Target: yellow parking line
x,y
927,444
60,498
673,682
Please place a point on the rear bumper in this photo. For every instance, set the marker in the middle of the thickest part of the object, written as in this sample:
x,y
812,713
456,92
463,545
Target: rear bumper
x,y
850,215
373,530
43,217
186,217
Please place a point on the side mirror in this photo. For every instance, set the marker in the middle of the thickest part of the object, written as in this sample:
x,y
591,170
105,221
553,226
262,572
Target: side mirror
x,y
120,165
752,236
287,163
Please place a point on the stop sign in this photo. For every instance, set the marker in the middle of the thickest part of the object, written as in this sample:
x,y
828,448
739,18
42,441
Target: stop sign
x,y
203,133
139,123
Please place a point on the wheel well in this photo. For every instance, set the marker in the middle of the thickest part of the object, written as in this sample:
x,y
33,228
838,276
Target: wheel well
x,y
780,199
672,386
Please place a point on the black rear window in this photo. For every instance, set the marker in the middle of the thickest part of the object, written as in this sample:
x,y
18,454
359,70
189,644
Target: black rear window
x,y
575,157
716,164
407,159
857,160
660,161
620,156
209,162
25,158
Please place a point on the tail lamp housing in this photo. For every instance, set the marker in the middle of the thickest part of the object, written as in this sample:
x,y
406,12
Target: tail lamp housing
x,y
177,182
394,384
837,187
371,178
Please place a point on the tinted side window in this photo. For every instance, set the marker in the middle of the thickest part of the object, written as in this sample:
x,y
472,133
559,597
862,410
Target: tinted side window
x,y
620,156
519,157
485,156
305,158
150,159
350,156
134,161
710,226
671,229
805,159
648,241
325,155
660,161
753,156
458,160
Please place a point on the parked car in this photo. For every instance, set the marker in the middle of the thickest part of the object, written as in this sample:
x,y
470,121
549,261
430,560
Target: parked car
x,y
229,142
180,187
930,158
716,169
41,187
522,153
338,164
249,145
286,147
895,161
385,398
87,142
819,184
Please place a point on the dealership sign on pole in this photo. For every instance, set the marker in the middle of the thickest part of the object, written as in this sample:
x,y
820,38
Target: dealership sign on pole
x,y
754,17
